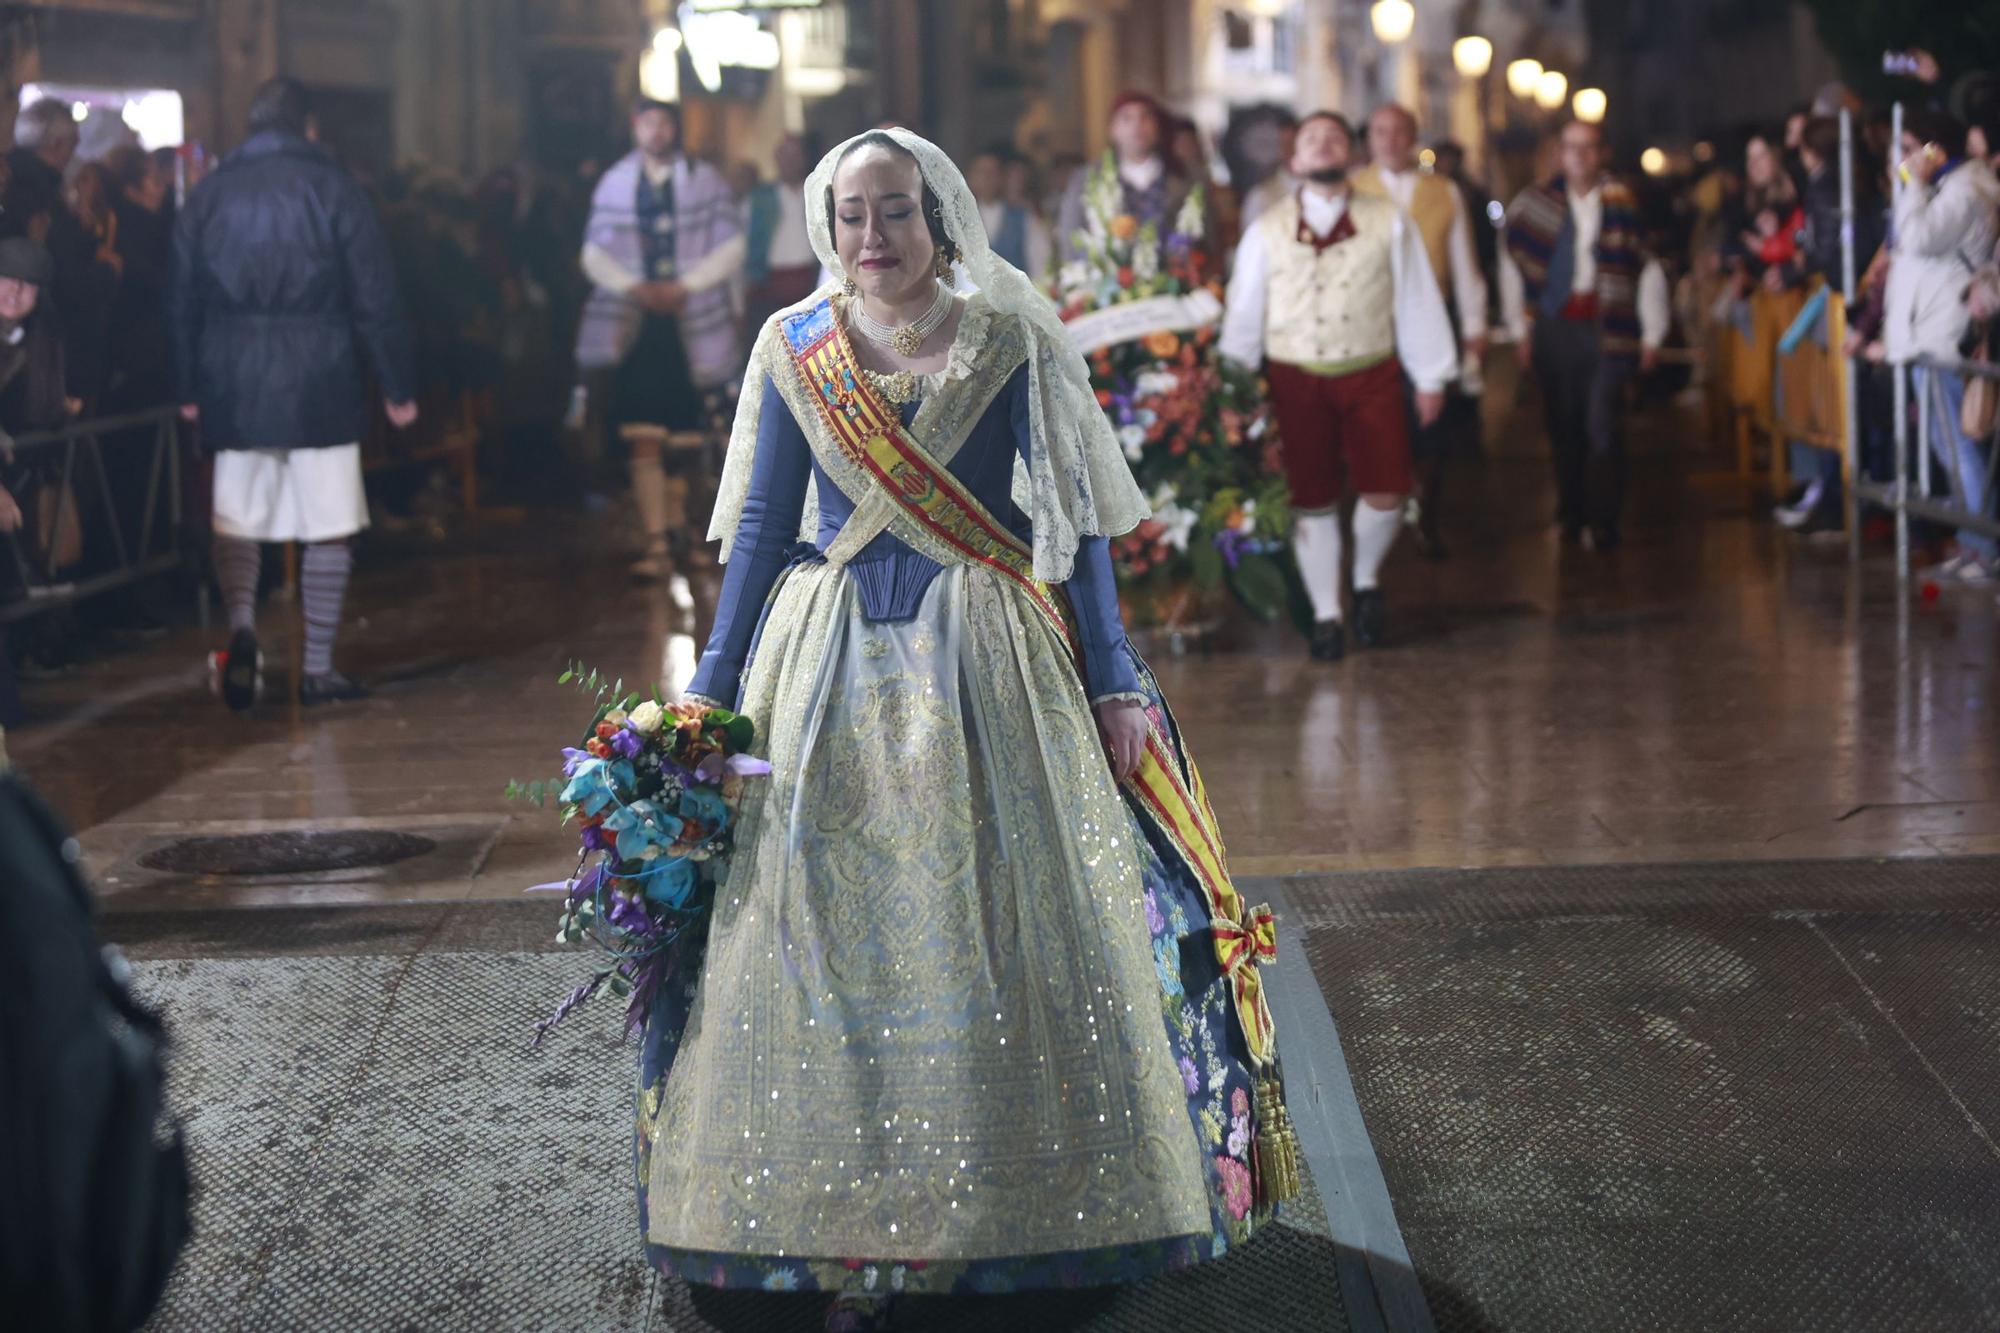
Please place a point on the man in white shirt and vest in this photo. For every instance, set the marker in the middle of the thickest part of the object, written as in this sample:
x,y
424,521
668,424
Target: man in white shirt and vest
x,y
1333,294
1435,207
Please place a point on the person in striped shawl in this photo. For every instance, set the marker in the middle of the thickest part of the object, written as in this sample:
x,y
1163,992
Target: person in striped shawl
x,y
664,239
1576,242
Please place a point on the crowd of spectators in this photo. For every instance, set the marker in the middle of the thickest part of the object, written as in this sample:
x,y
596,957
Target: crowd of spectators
x,y
491,280
1926,211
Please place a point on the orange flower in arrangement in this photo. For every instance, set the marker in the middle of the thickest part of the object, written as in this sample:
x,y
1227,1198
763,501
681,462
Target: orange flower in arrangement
x,y
1163,344
1125,277
1124,227
1104,397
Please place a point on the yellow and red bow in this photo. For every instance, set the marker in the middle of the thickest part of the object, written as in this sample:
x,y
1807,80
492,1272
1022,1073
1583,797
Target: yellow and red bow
x,y
1242,948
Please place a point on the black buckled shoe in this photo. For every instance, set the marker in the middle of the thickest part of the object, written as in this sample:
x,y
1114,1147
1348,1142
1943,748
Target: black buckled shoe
x,y
1371,617
1329,641
331,688
237,672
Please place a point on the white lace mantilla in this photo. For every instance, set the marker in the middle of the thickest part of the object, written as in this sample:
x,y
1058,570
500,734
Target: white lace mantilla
x,y
1076,482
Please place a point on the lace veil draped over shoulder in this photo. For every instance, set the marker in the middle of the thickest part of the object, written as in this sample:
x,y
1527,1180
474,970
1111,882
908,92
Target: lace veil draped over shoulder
x,y
1077,482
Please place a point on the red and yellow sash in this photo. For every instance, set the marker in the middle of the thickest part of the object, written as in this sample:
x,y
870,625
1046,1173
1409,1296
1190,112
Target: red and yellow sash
x,y
1166,787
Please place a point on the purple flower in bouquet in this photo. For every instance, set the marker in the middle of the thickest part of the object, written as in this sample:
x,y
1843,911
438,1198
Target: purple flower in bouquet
x,y
574,759
591,838
715,768
627,743
1234,545
628,914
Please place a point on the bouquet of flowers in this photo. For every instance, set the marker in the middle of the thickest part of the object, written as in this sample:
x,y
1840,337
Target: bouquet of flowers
x,y
1196,429
654,791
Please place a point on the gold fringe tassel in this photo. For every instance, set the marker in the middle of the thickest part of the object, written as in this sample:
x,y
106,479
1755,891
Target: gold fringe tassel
x,y
1277,1143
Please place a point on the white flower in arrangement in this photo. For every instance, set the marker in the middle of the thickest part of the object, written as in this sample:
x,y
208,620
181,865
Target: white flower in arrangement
x,y
616,717
1190,223
1176,519
1179,525
1133,439
647,718
1074,274
1146,262
1153,383
1248,523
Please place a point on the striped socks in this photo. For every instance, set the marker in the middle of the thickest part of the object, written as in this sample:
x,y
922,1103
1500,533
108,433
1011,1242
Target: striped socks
x,y
237,564
322,589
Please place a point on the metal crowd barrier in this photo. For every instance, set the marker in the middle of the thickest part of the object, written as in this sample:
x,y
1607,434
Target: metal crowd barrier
x,y
1774,394
1969,505
134,555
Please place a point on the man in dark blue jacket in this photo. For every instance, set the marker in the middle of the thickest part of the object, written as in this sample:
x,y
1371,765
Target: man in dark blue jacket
x,y
282,286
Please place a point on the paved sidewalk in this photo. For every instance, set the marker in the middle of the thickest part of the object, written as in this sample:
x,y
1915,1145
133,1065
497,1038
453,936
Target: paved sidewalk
x,y
1757,1096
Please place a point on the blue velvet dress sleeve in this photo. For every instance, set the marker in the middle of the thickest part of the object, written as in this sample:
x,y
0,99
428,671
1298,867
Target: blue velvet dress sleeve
x,y
768,527
1108,669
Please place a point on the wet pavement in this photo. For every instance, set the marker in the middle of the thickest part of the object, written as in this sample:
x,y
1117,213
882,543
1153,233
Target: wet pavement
x,y
1653,897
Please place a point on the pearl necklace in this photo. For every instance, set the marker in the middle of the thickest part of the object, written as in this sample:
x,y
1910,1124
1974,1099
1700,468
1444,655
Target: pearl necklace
x,y
907,338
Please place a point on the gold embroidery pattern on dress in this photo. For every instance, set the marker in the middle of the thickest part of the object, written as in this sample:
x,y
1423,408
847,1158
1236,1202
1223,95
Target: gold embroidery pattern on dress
x,y
845,1087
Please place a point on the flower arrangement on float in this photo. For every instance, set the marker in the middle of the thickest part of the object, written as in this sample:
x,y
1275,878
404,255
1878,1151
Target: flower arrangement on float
x,y
654,790
1145,310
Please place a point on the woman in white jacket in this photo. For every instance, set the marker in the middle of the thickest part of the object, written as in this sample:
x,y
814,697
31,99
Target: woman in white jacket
x,y
1947,216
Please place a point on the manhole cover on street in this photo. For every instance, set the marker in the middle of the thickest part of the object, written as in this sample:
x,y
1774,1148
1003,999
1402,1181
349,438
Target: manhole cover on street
x,y
289,853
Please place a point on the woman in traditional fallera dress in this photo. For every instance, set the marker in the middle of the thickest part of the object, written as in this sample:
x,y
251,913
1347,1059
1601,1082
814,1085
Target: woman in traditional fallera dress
x,y
977,1009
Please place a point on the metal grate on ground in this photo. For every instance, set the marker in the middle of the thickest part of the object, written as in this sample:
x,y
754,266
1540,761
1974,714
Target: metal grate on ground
x,y
375,1147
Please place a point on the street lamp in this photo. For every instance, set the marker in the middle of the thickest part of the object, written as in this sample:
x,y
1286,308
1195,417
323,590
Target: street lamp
x,y
1653,162
1589,105
660,67
1522,76
1551,89
1473,56
1394,20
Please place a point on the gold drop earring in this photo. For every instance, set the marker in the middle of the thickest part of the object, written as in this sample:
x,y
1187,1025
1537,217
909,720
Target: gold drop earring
x,y
847,287
943,265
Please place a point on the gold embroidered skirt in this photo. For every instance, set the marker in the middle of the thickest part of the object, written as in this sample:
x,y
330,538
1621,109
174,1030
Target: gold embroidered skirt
x,y
928,1026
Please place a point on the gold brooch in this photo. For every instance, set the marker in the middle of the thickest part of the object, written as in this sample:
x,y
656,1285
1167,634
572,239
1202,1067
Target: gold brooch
x,y
897,386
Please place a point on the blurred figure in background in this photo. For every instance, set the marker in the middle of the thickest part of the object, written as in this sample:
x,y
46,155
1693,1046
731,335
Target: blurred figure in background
x,y
1333,296
1259,152
1437,210
664,242
1151,183
1577,245
282,279
1018,236
780,268
45,142
1945,227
